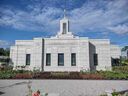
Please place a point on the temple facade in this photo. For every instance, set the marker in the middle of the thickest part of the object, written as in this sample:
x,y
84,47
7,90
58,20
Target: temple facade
x,y
64,52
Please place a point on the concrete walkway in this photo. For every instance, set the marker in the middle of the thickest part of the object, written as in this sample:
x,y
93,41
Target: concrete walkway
x,y
62,87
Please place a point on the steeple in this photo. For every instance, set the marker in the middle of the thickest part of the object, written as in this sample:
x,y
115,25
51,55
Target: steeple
x,y
64,27
64,13
64,24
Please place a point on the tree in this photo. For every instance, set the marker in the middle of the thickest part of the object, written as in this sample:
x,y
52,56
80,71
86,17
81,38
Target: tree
x,y
4,52
124,61
7,52
124,48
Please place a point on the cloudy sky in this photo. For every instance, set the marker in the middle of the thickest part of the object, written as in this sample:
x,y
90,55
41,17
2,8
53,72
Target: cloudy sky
x,y
26,19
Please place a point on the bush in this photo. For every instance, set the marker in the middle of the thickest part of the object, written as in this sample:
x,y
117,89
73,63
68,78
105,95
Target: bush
x,y
12,74
42,75
23,76
8,74
95,76
114,75
123,69
118,73
75,75
60,75
115,94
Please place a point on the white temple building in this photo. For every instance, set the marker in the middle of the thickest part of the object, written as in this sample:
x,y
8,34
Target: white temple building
x,y
64,52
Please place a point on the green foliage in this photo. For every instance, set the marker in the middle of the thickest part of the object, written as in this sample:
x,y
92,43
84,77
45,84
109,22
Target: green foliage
x,y
111,75
118,73
4,52
59,75
124,62
121,69
124,48
10,74
115,94
114,75
7,74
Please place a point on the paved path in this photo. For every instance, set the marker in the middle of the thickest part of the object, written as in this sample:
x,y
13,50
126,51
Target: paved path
x,y
64,87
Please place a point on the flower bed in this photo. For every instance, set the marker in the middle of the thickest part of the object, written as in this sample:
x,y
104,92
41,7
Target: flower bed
x,y
42,75
23,76
118,73
92,76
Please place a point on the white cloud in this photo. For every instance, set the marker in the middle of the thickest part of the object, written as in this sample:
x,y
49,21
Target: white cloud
x,y
4,43
87,17
37,20
99,19
120,29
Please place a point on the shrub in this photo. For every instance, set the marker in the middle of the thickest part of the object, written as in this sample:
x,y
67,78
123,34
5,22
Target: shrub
x,y
23,76
92,76
115,94
123,69
60,75
114,75
42,75
119,72
75,75
7,74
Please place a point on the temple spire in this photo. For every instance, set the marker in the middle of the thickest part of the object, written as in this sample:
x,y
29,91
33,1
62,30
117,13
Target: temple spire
x,y
64,24
64,13
65,10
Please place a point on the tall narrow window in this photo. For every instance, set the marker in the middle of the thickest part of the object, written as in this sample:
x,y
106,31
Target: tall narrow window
x,y
73,59
95,59
60,59
64,28
28,56
48,59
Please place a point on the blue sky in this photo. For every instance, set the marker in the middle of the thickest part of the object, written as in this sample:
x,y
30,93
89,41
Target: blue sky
x,y
26,19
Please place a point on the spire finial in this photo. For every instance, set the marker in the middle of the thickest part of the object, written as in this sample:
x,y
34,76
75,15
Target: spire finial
x,y
65,10
64,13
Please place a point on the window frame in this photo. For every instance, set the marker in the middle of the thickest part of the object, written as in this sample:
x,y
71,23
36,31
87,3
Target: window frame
x,y
48,59
95,57
28,59
73,59
59,59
